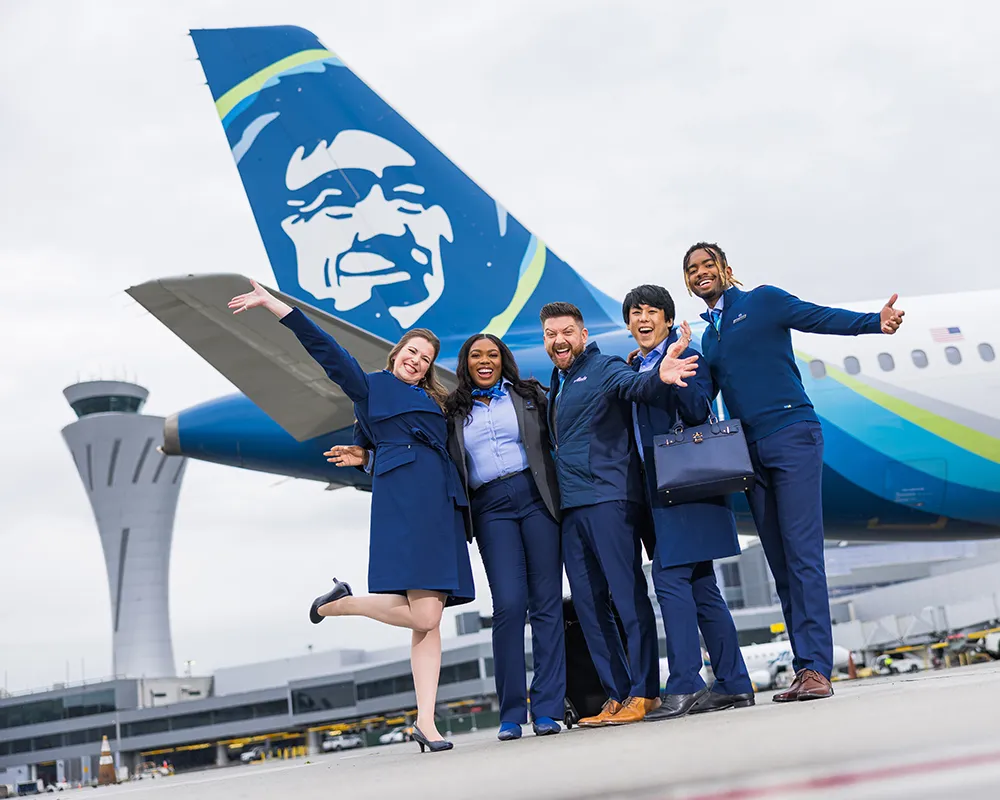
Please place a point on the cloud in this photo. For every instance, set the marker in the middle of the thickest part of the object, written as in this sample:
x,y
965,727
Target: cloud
x,y
838,151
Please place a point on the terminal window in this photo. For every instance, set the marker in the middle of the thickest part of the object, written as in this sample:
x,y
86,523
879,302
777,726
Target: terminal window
x,y
53,741
466,671
323,698
387,686
71,707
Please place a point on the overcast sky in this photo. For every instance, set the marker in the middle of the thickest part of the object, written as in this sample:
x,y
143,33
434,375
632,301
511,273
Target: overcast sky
x,y
841,152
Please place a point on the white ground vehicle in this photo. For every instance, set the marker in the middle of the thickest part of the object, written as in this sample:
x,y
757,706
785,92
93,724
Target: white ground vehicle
x,y
898,664
342,741
395,736
253,754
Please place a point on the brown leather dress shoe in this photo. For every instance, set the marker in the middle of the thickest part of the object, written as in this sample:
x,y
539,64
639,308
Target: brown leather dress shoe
x,y
608,710
792,692
808,685
814,686
635,709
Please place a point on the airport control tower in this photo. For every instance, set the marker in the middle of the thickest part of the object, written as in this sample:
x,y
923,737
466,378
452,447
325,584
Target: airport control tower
x,y
133,490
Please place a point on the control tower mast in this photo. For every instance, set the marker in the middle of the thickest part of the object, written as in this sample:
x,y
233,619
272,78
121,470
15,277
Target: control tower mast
x,y
133,489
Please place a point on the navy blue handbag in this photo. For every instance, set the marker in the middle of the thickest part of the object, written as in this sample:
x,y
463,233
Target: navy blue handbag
x,y
702,461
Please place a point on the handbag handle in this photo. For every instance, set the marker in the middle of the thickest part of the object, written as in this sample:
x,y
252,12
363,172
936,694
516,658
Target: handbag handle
x,y
678,427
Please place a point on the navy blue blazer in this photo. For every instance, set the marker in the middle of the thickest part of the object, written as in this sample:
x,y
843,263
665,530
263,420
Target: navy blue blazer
x,y
688,532
417,529
590,421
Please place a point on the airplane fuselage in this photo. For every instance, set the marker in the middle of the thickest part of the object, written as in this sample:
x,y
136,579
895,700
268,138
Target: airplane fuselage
x,y
912,430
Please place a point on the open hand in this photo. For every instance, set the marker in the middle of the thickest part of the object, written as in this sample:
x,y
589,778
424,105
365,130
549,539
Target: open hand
x,y
347,455
891,317
675,370
683,341
258,297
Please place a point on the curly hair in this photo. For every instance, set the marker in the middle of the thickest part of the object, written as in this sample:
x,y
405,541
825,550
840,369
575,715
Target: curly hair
x,y
719,255
459,402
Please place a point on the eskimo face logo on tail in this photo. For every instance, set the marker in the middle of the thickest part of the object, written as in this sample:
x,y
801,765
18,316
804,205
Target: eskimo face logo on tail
x,y
360,219
363,217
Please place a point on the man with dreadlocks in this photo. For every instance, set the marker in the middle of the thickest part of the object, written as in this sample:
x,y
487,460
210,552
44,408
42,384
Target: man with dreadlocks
x,y
748,348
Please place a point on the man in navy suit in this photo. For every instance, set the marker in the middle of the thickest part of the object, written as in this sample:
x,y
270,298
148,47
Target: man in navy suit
x,y
688,535
599,483
748,347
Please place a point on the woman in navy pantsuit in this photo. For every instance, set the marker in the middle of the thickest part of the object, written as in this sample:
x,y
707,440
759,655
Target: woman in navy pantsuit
x,y
418,556
500,441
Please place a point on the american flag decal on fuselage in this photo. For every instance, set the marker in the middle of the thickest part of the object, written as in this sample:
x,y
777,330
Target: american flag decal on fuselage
x,y
953,334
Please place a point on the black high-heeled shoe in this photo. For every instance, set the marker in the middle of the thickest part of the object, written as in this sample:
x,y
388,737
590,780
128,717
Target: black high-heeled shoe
x,y
423,741
339,590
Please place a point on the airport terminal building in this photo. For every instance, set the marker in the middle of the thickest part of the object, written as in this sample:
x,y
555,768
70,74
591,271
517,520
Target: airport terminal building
x,y
195,722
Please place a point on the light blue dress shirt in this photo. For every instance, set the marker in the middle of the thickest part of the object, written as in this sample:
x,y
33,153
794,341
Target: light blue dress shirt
x,y
493,446
647,363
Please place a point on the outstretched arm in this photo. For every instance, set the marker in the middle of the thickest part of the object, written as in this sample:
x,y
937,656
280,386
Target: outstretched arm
x,y
618,377
810,318
340,366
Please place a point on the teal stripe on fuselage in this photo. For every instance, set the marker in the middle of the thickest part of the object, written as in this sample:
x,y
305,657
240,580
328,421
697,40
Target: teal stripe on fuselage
x,y
896,440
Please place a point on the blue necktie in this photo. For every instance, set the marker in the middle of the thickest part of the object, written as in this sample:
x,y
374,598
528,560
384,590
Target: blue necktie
x,y
716,318
496,391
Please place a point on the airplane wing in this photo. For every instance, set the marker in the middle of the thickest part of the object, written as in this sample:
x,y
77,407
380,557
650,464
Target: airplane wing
x,y
261,358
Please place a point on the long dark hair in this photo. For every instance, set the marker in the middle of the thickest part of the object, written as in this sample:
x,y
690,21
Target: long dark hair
x,y
459,402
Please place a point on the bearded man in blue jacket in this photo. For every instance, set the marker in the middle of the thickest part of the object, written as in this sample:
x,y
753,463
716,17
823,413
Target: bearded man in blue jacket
x,y
748,348
590,421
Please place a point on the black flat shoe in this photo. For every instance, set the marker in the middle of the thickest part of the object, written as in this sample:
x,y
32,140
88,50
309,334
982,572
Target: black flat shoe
x,y
676,705
435,747
339,590
717,701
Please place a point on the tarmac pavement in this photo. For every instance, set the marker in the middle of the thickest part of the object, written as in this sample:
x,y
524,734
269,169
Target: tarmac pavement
x,y
933,734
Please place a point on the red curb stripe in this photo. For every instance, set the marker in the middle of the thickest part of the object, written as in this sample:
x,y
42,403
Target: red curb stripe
x,y
853,778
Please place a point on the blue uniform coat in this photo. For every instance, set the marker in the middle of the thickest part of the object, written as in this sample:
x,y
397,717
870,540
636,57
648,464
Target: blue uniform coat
x,y
751,356
589,423
689,532
417,528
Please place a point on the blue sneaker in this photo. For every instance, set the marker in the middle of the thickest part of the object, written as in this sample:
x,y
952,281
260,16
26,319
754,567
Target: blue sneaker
x,y
509,731
545,726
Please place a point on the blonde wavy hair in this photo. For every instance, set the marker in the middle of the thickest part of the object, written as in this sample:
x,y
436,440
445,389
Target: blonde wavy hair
x,y
429,383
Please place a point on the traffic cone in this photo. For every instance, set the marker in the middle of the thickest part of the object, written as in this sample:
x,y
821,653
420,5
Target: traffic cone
x,y
106,772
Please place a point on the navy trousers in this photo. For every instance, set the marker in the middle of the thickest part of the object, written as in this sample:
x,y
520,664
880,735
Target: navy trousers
x,y
519,543
690,600
787,506
601,551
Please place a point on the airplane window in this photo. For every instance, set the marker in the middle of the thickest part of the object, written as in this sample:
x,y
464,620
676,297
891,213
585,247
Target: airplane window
x,y
953,354
919,358
817,368
852,366
887,362
986,352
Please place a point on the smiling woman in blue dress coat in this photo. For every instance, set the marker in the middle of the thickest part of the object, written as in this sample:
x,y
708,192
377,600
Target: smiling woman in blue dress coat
x,y
418,556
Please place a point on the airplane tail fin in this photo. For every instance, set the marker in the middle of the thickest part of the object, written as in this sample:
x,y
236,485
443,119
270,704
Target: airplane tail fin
x,y
361,215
